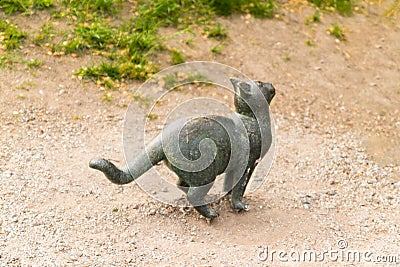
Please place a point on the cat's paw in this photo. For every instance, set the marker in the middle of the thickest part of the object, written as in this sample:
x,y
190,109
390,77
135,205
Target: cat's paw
x,y
240,205
212,213
207,212
211,216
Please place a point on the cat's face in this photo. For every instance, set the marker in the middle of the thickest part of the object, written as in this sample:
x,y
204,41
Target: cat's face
x,y
246,92
267,89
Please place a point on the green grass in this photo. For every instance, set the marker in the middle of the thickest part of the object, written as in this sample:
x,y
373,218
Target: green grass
x,y
152,116
13,6
33,63
126,50
107,96
46,34
164,12
336,31
26,86
42,4
26,6
257,8
261,9
315,18
10,35
6,60
217,31
107,72
343,7
90,9
143,100
126,44
394,10
128,47
171,80
177,57
96,36
217,50
310,43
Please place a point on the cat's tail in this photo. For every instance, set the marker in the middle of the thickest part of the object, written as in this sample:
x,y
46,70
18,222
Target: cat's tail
x,y
146,159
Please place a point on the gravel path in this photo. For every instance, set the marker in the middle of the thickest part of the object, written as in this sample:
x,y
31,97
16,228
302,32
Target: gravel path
x,y
327,187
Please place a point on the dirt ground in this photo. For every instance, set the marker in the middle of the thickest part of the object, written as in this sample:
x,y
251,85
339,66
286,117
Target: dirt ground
x,y
334,186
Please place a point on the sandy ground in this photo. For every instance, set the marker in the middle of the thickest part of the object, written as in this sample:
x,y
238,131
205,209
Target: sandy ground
x,y
335,184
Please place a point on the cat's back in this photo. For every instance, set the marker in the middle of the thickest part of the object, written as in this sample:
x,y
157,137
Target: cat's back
x,y
215,128
190,135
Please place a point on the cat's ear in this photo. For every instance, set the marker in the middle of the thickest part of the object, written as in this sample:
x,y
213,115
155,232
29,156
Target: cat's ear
x,y
234,82
241,87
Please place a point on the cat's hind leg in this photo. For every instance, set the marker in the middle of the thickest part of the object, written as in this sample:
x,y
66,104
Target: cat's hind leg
x,y
196,197
182,185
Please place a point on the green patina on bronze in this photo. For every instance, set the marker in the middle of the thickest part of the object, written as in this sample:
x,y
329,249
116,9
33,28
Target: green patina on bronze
x,y
180,146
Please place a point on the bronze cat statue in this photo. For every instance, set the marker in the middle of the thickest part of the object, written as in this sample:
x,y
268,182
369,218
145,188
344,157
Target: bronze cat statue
x,y
181,145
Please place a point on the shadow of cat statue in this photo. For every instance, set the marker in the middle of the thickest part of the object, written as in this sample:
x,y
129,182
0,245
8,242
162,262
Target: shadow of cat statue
x,y
200,148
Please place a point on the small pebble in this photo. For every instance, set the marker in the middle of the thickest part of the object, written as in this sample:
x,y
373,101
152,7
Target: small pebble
x,y
152,212
164,189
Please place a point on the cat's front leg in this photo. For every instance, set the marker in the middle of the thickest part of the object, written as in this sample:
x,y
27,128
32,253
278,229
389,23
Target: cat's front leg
x,y
229,182
249,174
240,188
237,194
